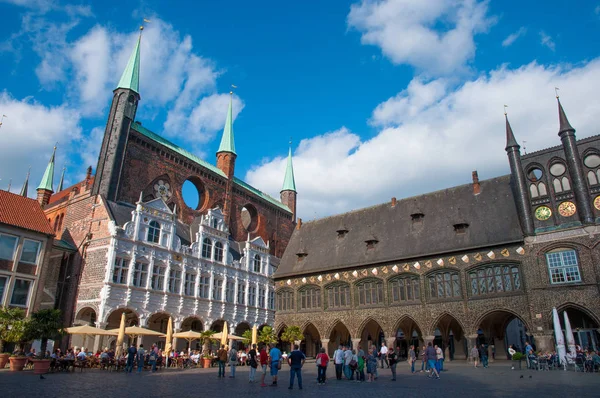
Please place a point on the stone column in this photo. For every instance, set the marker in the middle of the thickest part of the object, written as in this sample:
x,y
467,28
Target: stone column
x,y
543,342
390,342
428,339
325,344
355,344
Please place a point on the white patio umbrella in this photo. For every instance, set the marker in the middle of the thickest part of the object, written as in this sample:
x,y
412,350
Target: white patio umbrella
x,y
569,335
560,340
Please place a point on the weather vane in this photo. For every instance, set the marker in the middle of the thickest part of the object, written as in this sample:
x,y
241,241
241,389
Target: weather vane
x,y
505,106
232,87
524,147
556,91
142,25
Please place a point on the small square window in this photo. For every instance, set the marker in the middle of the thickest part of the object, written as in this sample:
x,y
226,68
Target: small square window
x,y
30,251
7,246
20,292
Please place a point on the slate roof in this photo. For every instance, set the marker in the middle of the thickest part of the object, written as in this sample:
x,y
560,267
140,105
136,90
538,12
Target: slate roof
x,y
22,212
491,215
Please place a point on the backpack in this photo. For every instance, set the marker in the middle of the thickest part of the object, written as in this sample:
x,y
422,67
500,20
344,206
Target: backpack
x,y
233,355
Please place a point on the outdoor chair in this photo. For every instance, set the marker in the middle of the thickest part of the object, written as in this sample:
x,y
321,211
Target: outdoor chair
x,y
543,364
579,364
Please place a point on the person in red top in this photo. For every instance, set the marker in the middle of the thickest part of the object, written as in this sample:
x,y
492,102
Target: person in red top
x,y
264,359
322,360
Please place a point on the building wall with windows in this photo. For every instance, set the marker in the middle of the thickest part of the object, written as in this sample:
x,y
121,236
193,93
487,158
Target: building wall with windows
x,y
142,265
485,262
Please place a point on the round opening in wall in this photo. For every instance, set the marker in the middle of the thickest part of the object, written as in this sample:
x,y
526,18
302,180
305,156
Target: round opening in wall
x,y
249,217
535,174
193,193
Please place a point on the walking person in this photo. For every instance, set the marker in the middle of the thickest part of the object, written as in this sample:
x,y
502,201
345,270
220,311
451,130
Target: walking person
x,y
431,360
484,355
233,360
275,360
371,364
296,361
338,359
252,361
222,358
412,358
424,360
392,361
383,356
141,355
322,361
131,351
360,368
347,360
511,352
264,360
440,358
475,355
153,357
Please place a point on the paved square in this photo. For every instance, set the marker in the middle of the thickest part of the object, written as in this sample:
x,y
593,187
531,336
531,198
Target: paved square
x,y
460,380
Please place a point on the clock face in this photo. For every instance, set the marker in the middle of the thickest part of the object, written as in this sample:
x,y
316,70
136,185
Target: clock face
x,y
597,202
567,209
543,213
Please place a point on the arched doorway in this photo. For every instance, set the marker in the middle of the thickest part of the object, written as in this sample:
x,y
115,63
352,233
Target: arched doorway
x,y
339,335
312,341
372,335
499,330
113,321
585,329
85,316
450,337
157,322
240,329
407,334
193,324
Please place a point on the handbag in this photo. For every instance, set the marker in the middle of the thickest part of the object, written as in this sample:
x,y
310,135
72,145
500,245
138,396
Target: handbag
x,y
319,360
279,365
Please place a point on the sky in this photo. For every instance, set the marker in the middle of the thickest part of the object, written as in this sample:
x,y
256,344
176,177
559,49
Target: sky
x,y
379,98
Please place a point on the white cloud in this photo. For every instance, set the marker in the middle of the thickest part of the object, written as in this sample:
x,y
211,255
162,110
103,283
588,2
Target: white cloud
x,y
547,41
510,39
597,10
434,135
28,135
435,36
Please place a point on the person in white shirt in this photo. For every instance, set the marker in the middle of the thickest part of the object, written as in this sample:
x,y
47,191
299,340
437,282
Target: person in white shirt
x,y
383,356
511,352
347,360
338,359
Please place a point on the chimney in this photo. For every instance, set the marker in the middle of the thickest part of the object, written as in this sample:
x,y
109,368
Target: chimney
x,y
476,185
299,223
394,202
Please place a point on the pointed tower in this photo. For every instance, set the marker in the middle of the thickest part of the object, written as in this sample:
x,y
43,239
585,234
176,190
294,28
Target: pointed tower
x,y
122,113
226,159
519,184
226,154
62,180
24,190
288,191
44,190
567,135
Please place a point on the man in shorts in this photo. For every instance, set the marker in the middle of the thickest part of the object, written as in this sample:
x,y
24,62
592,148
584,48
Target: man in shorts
x,y
263,359
275,358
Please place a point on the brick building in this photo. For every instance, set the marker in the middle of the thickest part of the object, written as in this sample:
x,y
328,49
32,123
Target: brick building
x,y
482,262
141,250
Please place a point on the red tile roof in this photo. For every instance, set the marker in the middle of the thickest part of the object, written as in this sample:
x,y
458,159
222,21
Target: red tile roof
x,y
64,194
22,212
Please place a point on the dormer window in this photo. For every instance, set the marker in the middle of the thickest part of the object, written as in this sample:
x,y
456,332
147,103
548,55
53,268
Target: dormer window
x,y
215,223
342,231
461,228
417,217
301,254
371,242
256,263
153,232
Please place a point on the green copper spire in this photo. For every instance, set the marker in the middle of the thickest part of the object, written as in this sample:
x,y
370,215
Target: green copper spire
x,y
227,142
62,180
131,75
25,187
48,178
289,184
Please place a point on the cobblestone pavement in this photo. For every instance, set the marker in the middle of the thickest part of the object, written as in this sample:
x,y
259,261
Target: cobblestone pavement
x,y
460,379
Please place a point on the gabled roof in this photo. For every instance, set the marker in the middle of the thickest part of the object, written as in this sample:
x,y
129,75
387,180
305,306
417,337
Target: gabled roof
x,y
491,217
21,212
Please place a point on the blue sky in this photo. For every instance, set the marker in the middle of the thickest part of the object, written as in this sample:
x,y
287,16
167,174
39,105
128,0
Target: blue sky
x,y
382,98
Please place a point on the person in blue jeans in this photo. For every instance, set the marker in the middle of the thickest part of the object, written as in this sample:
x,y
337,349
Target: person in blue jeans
x,y
131,351
483,353
296,361
412,357
141,354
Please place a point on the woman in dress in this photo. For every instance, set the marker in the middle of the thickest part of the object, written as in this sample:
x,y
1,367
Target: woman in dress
x,y
371,365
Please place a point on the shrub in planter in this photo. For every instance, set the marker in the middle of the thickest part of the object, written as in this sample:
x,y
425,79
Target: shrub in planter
x,y
4,359
517,358
10,326
44,325
17,362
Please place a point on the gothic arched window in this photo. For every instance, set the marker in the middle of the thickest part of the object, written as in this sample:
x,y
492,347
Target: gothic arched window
x,y
494,278
444,284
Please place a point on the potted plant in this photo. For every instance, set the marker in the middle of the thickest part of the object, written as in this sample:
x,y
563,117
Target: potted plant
x,y
516,360
44,325
8,316
18,334
205,338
